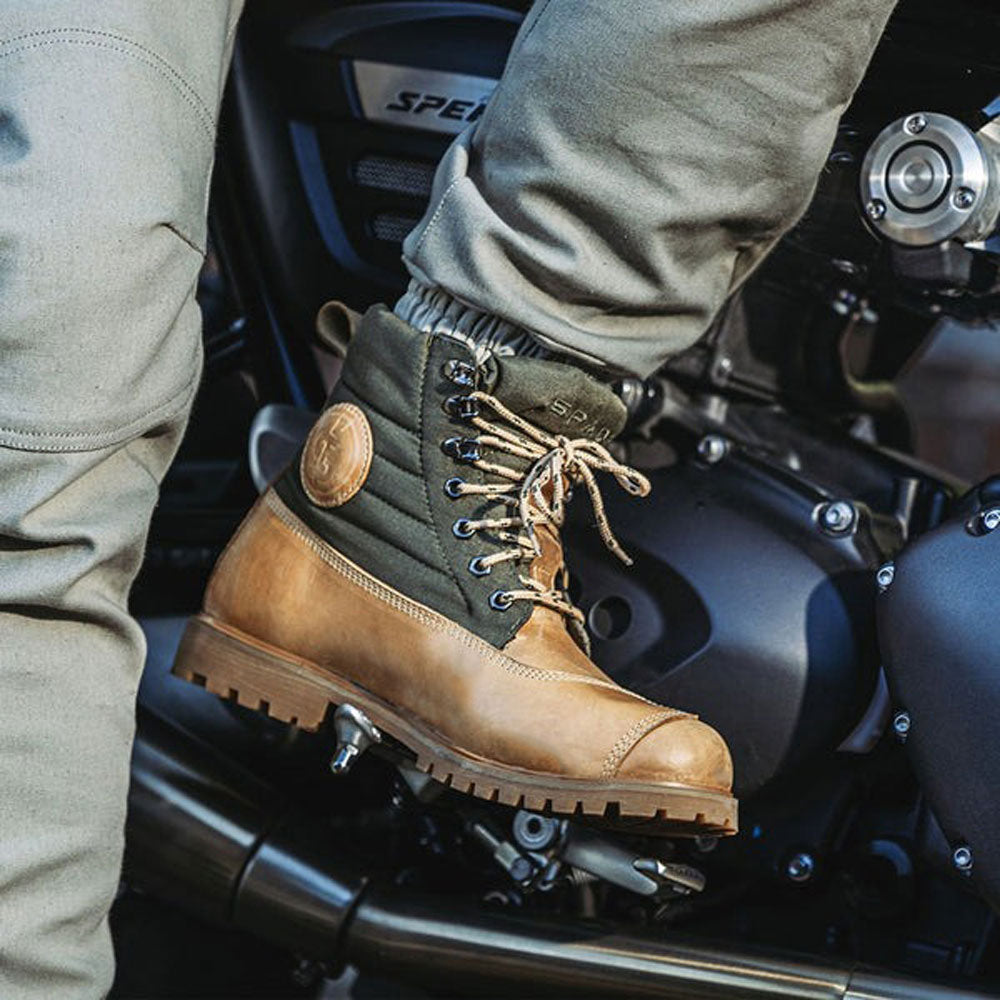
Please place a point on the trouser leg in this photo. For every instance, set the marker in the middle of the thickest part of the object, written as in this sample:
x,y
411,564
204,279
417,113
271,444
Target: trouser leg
x,y
107,123
637,161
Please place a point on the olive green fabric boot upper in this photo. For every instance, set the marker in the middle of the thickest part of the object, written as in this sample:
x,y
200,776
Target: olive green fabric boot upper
x,y
409,523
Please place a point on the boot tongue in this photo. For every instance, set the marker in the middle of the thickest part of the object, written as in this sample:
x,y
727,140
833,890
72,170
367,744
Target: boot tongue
x,y
558,398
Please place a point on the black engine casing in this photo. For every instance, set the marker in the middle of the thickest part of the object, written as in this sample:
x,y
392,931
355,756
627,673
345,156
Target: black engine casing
x,y
738,607
938,632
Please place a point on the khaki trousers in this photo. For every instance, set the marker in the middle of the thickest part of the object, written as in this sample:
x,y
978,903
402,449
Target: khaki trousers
x,y
637,162
107,134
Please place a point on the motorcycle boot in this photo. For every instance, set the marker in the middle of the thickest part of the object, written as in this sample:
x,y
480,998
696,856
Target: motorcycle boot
x,y
408,563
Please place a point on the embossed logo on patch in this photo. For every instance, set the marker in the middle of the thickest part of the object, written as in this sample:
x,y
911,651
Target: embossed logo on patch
x,y
337,456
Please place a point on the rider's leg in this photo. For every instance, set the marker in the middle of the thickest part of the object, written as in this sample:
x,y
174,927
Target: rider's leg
x,y
635,164
107,129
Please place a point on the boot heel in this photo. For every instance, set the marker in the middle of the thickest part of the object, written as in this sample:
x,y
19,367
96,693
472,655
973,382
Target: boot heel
x,y
239,670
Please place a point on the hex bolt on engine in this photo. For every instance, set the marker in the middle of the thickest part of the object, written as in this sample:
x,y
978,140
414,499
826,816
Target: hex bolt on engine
x,y
986,521
355,734
961,858
837,517
901,724
800,867
885,575
713,448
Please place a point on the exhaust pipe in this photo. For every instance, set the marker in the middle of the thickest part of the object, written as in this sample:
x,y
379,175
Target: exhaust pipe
x,y
205,834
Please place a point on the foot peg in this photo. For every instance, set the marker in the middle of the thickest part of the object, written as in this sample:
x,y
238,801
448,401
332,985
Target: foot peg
x,y
683,879
355,734
546,848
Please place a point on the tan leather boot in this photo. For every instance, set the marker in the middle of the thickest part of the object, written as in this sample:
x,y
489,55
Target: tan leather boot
x,y
409,563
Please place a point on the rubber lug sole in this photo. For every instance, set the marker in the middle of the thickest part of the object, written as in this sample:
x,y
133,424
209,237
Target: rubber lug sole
x,y
246,671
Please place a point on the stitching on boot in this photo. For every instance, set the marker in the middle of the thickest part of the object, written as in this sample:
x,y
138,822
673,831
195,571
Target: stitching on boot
x,y
627,742
425,616
367,405
358,526
399,510
399,468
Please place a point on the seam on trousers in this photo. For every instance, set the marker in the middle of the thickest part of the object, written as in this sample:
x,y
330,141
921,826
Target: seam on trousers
x,y
45,441
96,39
437,213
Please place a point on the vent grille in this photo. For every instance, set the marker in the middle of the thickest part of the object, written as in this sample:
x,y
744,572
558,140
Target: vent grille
x,y
387,173
392,228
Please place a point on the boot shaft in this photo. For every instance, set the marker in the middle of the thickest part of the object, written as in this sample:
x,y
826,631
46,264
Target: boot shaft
x,y
378,478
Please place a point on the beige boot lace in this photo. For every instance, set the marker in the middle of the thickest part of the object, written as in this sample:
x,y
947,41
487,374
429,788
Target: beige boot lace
x,y
555,459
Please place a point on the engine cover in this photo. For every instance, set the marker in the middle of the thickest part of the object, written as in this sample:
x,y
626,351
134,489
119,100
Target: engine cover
x,y
738,607
940,637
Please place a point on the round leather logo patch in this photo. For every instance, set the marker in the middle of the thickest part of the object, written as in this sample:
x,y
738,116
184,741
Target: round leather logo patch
x,y
337,455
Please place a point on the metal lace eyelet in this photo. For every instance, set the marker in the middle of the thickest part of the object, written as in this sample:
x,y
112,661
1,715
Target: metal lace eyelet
x,y
500,600
461,528
459,372
461,407
461,449
476,567
452,488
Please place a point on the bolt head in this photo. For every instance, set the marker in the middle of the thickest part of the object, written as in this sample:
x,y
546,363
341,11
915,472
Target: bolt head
x,y
989,520
964,198
801,867
875,210
885,576
837,517
961,858
901,723
713,448
723,368
915,124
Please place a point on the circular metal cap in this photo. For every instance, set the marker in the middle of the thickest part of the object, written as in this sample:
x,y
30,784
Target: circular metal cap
x,y
923,185
917,177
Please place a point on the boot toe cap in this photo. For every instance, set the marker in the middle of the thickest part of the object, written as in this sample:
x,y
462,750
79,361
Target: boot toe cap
x,y
686,752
